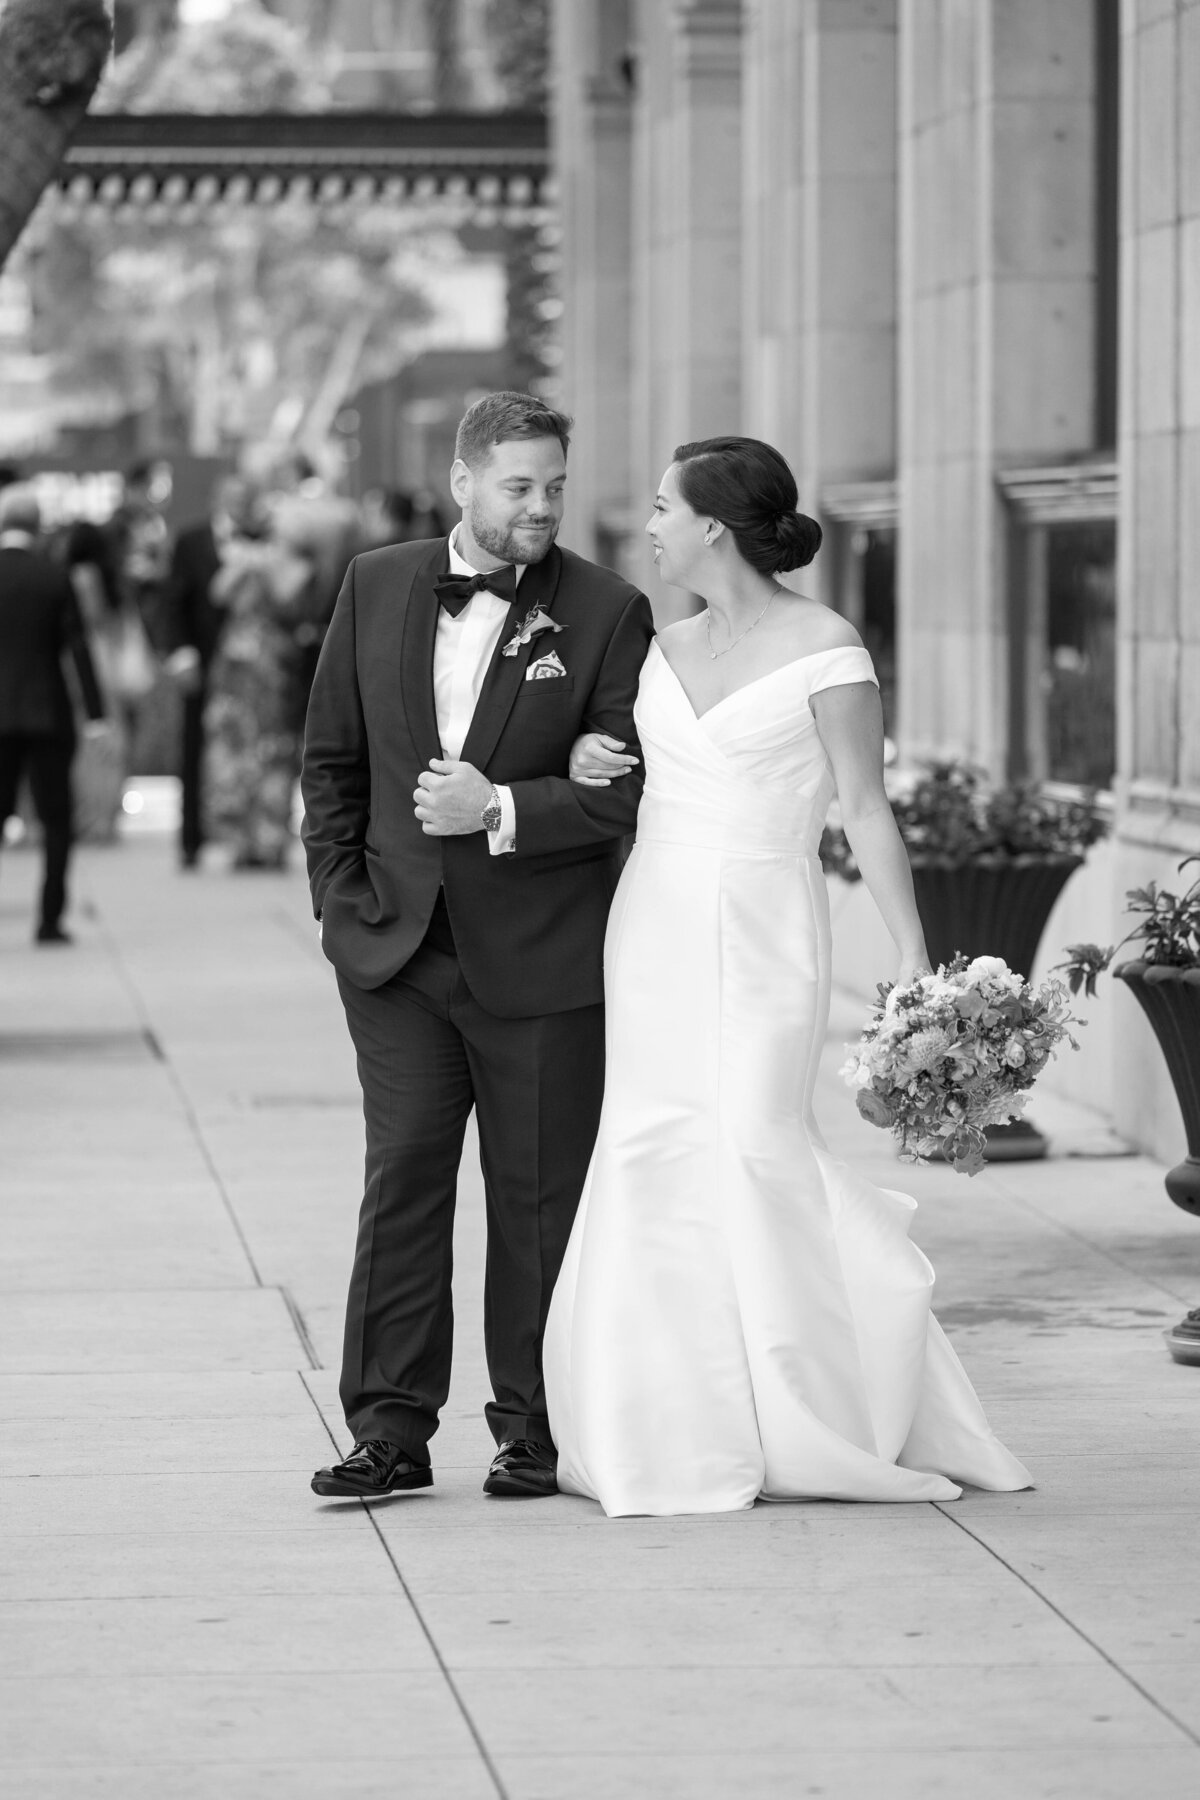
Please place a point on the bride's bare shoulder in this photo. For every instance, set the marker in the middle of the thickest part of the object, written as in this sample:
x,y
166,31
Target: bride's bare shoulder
x,y
677,637
682,630
816,627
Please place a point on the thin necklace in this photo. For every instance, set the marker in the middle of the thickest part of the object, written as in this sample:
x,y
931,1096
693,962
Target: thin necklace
x,y
713,654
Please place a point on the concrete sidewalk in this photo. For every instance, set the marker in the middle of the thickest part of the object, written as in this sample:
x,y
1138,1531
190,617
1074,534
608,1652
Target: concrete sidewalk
x,y
180,1152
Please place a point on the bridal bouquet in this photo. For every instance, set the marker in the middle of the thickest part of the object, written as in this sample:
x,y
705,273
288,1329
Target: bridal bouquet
x,y
954,1052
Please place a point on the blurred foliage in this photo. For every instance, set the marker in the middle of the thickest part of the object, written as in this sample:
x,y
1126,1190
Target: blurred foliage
x,y
249,61
520,35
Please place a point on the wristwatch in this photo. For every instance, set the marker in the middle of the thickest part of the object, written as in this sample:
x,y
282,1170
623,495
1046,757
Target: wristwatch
x,y
491,814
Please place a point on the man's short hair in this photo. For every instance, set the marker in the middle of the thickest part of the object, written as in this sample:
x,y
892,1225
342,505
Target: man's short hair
x,y
19,509
498,417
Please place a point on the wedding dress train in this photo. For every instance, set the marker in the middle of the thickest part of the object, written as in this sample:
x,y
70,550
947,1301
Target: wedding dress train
x,y
739,1314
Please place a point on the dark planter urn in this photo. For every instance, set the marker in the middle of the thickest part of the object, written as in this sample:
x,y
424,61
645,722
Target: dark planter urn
x,y
1170,999
992,907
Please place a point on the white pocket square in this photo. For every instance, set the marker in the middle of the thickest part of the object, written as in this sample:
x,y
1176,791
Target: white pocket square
x,y
545,668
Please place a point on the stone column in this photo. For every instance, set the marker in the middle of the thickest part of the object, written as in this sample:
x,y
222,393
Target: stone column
x,y
592,130
1159,523
997,317
687,248
819,289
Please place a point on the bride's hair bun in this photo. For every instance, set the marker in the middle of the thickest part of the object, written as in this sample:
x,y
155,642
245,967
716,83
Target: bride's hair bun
x,y
799,539
748,486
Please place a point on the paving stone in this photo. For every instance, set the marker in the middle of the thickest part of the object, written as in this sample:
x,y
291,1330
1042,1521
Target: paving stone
x,y
184,1331
222,1718
806,1710
863,1774
445,1777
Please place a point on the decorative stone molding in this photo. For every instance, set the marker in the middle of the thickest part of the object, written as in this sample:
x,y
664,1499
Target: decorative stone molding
x,y
1067,493
873,505
1156,816
708,36
495,158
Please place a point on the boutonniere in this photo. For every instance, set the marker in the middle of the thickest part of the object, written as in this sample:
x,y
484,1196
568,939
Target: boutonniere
x,y
534,621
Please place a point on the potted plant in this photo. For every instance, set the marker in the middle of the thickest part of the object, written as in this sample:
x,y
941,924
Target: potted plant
x,y
1165,980
988,864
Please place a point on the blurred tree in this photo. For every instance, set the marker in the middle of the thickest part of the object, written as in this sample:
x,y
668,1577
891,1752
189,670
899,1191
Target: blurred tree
x,y
52,53
247,61
227,322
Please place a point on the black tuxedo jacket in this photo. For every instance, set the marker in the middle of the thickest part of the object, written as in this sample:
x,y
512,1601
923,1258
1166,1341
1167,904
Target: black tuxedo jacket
x,y
528,927
39,622
191,616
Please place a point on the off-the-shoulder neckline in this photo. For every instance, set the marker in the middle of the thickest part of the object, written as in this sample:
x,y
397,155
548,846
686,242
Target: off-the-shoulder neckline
x,y
811,656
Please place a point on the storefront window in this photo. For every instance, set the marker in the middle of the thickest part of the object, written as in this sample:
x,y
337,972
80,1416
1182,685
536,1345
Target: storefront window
x,y
1063,624
1079,678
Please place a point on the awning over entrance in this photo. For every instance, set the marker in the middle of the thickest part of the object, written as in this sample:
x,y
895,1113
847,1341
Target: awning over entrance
x,y
494,158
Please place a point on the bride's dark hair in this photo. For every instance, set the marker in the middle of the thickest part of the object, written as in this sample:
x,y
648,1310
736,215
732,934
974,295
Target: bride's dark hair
x,y
748,486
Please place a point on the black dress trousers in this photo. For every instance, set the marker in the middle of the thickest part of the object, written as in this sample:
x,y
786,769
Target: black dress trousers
x,y
427,1052
46,758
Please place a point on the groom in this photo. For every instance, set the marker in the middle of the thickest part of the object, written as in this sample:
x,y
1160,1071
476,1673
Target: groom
x,y
463,884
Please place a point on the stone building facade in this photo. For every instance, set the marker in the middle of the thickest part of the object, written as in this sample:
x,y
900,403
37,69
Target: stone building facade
x,y
946,255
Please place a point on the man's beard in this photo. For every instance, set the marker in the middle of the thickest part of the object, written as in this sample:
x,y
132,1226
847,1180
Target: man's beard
x,y
503,542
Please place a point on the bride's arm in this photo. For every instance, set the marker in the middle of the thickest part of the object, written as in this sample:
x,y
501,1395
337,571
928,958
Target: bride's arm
x,y
850,723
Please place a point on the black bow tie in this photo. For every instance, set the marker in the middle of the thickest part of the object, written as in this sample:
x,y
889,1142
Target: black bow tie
x,y
453,591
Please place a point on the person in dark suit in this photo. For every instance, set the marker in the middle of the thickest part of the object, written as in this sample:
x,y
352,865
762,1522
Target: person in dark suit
x,y
39,623
462,885
193,629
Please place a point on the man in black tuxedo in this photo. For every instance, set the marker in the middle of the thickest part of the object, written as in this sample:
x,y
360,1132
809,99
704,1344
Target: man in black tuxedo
x,y
193,630
39,623
463,885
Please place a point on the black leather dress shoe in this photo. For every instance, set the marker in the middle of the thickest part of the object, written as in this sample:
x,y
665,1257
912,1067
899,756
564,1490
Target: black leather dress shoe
x,y
52,934
523,1470
373,1469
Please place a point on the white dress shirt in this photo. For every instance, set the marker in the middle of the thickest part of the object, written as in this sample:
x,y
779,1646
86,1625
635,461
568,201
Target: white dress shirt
x,y
462,651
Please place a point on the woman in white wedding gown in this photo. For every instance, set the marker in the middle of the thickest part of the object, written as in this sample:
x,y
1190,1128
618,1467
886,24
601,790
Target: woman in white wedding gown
x,y
739,1314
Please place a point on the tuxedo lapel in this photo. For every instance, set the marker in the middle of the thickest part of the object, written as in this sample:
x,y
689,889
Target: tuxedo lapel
x,y
416,655
502,683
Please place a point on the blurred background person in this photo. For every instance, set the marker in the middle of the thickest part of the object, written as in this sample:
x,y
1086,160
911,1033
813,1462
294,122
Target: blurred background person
x,y
142,541
39,622
252,734
325,528
192,628
386,517
126,670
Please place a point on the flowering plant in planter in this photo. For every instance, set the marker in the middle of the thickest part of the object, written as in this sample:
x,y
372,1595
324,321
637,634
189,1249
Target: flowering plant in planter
x,y
950,817
1165,981
1169,927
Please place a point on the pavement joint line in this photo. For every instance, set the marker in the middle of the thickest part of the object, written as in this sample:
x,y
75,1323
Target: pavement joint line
x,y
418,1615
301,1328
173,1076
1193,1737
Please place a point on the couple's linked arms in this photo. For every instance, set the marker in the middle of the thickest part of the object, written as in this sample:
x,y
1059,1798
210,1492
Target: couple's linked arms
x,y
850,723
552,812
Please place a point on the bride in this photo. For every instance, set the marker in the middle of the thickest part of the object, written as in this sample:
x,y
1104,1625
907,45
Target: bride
x,y
739,1314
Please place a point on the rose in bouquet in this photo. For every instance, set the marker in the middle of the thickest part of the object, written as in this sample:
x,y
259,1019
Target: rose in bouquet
x,y
952,1053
